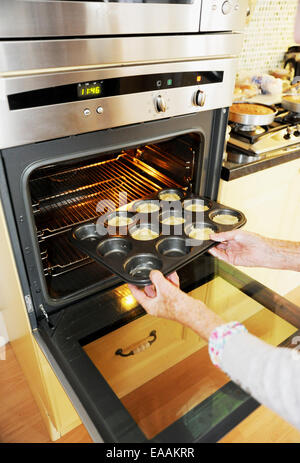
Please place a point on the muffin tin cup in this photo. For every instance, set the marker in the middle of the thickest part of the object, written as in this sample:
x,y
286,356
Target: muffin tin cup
x,y
146,207
216,215
172,221
172,246
139,266
116,247
166,195
133,259
196,205
89,232
145,231
200,226
115,222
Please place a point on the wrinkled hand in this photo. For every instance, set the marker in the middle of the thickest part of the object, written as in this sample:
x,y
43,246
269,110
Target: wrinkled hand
x,y
164,299
173,278
243,248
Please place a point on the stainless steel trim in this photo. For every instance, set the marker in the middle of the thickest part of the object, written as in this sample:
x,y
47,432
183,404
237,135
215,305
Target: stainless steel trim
x,y
47,18
61,120
36,56
223,15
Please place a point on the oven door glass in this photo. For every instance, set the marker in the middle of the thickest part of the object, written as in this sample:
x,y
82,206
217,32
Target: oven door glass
x,y
145,379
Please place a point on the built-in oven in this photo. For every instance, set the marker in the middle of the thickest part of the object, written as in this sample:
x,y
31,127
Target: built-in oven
x,y
61,18
144,128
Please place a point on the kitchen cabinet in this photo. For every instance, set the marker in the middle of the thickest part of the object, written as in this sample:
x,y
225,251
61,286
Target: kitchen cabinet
x,y
56,409
270,199
152,353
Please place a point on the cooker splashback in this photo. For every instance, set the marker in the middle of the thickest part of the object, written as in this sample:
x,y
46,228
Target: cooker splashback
x,y
57,18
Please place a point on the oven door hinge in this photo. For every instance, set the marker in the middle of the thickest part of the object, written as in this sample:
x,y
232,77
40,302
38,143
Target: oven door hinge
x,y
42,309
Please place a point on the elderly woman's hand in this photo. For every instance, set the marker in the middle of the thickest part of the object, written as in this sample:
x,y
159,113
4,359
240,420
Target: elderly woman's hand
x,y
247,249
164,299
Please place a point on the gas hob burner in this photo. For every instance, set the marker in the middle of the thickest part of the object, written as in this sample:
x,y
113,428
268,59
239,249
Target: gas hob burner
x,y
293,118
256,130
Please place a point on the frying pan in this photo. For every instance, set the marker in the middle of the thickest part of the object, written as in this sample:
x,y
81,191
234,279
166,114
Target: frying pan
x,y
252,119
291,102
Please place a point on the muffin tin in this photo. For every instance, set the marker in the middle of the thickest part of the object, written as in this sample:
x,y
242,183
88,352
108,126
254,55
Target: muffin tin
x,y
139,242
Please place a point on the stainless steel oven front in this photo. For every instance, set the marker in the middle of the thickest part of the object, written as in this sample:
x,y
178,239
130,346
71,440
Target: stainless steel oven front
x,y
56,18
70,140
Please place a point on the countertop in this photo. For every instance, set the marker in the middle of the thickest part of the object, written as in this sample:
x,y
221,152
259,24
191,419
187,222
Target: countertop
x,y
231,171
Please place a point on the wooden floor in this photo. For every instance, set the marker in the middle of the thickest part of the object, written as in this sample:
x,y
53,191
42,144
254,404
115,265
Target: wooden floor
x,y
21,422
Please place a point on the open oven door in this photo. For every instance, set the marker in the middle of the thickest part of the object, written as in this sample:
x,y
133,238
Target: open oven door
x,y
135,379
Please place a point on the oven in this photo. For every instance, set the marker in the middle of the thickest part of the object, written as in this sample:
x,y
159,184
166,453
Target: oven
x,y
61,18
143,129
109,118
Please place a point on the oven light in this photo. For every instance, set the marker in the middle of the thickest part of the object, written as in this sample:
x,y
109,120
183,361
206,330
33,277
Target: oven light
x,y
128,302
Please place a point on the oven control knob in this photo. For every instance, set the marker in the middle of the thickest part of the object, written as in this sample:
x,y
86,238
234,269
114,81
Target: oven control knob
x,y
226,7
199,98
297,131
87,112
160,104
289,132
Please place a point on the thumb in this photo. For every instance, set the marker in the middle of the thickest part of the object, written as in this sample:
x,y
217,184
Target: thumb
x,y
160,282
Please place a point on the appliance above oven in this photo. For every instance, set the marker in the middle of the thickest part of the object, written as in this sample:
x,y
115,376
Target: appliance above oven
x,y
58,18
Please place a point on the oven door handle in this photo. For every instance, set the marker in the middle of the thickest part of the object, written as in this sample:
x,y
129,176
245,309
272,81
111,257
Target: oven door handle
x,y
140,348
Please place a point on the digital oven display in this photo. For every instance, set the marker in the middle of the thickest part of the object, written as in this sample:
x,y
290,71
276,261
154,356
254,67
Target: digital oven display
x,y
89,90
111,87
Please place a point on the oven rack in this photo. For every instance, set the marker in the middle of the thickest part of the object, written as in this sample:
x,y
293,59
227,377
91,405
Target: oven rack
x,y
61,257
57,209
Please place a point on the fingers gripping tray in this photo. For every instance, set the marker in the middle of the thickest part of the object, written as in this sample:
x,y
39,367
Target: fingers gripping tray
x,y
162,233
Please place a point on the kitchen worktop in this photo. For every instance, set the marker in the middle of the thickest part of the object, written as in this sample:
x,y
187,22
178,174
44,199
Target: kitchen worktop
x,y
232,171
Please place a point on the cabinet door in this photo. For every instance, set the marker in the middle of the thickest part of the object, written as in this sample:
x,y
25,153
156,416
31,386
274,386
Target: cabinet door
x,y
270,201
152,354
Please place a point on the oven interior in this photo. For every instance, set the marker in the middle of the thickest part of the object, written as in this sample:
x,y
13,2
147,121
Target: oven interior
x,y
66,194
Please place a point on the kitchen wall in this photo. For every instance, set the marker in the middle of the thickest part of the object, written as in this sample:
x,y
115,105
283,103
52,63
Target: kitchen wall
x,y
268,34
